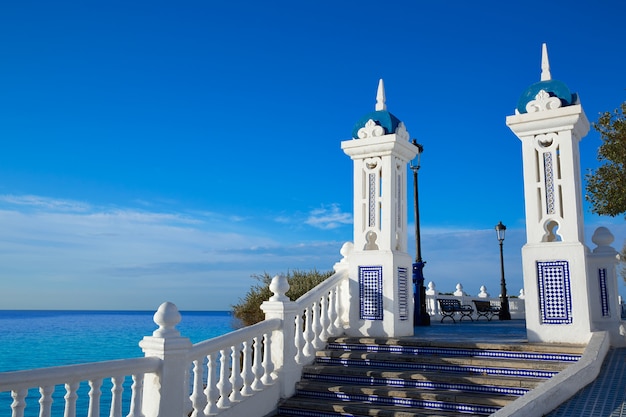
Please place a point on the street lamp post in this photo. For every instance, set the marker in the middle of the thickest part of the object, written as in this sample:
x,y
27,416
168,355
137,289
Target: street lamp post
x,y
504,313
420,316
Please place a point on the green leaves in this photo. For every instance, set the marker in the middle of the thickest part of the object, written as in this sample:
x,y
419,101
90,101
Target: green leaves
x,y
606,187
248,310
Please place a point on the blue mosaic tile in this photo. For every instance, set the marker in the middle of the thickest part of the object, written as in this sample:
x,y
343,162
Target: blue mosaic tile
x,y
403,293
372,200
371,292
549,178
604,296
422,384
403,402
555,296
483,353
480,370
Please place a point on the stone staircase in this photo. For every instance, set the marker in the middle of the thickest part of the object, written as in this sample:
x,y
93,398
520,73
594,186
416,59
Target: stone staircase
x,y
410,377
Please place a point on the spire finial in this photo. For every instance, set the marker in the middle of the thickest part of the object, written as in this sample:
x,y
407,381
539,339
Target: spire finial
x,y
380,96
545,64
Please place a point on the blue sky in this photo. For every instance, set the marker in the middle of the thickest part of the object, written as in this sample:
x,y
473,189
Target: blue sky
x,y
166,151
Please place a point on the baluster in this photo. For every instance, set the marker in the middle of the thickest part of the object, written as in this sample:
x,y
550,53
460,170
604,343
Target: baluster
x,y
223,385
19,402
198,398
257,364
268,365
116,401
236,381
324,319
246,372
211,391
330,312
338,307
317,326
308,334
135,397
299,342
94,397
70,399
45,401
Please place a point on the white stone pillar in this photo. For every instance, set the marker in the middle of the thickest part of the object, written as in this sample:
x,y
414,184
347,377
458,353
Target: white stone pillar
x,y
167,394
604,293
550,122
283,339
381,296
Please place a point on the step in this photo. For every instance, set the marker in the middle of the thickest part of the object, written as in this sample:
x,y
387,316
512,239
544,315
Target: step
x,y
411,377
525,351
455,363
314,389
303,407
493,384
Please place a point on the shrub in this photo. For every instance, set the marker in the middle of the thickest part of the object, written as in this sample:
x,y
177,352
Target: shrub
x,y
248,310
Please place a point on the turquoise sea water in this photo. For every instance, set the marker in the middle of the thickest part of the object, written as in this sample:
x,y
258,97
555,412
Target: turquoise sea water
x,y
37,339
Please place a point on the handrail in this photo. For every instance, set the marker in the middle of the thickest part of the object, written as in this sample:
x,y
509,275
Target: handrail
x,y
310,296
244,372
81,372
228,339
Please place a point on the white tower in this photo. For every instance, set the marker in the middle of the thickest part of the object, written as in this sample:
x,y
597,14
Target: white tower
x,y
550,122
381,301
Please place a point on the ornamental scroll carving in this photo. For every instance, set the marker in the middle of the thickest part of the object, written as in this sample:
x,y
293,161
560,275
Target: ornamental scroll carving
x,y
370,130
542,102
402,133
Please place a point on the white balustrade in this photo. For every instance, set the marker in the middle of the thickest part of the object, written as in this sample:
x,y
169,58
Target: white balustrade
x,y
516,304
69,378
244,372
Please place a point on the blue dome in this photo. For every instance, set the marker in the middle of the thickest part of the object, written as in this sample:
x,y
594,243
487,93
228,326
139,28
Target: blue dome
x,y
553,87
383,118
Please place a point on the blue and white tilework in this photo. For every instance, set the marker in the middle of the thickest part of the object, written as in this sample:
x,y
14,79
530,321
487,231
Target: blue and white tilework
x,y
555,295
604,296
371,292
403,293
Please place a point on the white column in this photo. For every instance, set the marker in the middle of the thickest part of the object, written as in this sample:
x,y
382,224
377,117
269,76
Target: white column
x,y
166,394
380,285
283,340
554,258
604,293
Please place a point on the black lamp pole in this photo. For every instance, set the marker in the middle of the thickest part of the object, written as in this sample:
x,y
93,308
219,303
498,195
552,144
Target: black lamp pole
x,y
504,313
420,316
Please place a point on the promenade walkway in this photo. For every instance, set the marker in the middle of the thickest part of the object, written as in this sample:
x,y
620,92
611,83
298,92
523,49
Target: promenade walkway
x,y
605,397
512,331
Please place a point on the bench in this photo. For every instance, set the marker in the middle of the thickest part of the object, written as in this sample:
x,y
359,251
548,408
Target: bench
x,y
485,309
449,307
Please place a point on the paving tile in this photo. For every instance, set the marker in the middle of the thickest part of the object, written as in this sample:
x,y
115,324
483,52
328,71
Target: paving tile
x,y
605,397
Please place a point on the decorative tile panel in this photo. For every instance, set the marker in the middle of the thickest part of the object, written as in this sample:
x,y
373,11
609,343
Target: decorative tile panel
x,y
549,177
403,293
372,200
399,201
604,296
555,295
371,292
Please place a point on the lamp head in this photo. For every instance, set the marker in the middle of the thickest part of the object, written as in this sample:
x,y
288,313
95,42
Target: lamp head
x,y
500,229
415,162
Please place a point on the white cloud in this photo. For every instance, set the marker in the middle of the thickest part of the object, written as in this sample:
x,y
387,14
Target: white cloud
x,y
96,256
328,217
124,258
44,203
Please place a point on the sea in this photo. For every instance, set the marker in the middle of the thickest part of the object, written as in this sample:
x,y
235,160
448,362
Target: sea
x,y
32,339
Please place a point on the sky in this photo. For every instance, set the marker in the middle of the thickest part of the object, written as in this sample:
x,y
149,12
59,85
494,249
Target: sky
x,y
169,151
